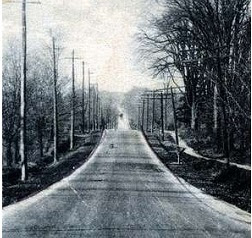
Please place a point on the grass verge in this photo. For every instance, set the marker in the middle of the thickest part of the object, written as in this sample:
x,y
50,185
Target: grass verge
x,y
230,184
45,173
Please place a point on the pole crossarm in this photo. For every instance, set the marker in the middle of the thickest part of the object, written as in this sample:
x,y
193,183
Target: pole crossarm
x,y
30,2
158,96
161,95
78,58
155,98
163,89
158,93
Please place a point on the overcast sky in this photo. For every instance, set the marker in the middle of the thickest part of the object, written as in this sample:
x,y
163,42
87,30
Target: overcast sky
x,y
100,31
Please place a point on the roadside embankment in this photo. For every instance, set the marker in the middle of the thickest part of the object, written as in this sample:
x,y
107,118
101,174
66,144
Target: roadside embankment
x,y
44,172
229,183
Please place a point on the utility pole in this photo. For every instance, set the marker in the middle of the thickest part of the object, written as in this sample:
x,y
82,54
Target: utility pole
x,y
23,132
72,120
107,119
73,106
102,119
23,148
98,112
162,96
143,114
93,111
83,97
55,106
139,117
97,108
147,116
89,102
162,115
166,108
175,125
153,113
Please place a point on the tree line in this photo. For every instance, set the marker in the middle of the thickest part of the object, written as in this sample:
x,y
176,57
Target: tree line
x,y
52,104
206,45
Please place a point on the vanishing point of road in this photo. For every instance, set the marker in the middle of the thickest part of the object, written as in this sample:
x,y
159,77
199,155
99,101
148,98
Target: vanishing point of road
x,y
123,190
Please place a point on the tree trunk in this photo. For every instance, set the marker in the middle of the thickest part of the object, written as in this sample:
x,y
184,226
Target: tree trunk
x,y
215,110
223,111
16,150
231,141
40,135
9,154
165,113
242,140
193,116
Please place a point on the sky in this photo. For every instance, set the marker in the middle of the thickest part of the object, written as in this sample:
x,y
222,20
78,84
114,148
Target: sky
x,y
102,33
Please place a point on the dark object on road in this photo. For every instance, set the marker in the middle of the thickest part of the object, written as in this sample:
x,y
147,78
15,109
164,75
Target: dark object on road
x,y
121,115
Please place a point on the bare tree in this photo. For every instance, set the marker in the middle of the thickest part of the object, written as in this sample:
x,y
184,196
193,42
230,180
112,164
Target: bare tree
x,y
205,42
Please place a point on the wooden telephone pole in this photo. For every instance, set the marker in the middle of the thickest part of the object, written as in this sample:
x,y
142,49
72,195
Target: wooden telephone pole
x,y
95,95
73,106
175,125
147,116
83,97
143,114
93,107
72,120
23,139
23,148
175,118
138,117
97,108
23,142
153,113
55,106
163,94
162,116
89,102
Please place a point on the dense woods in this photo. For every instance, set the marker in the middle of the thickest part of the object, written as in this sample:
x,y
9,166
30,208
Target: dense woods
x,y
206,45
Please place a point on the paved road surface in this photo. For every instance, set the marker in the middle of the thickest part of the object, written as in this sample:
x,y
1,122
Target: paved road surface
x,y
123,191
